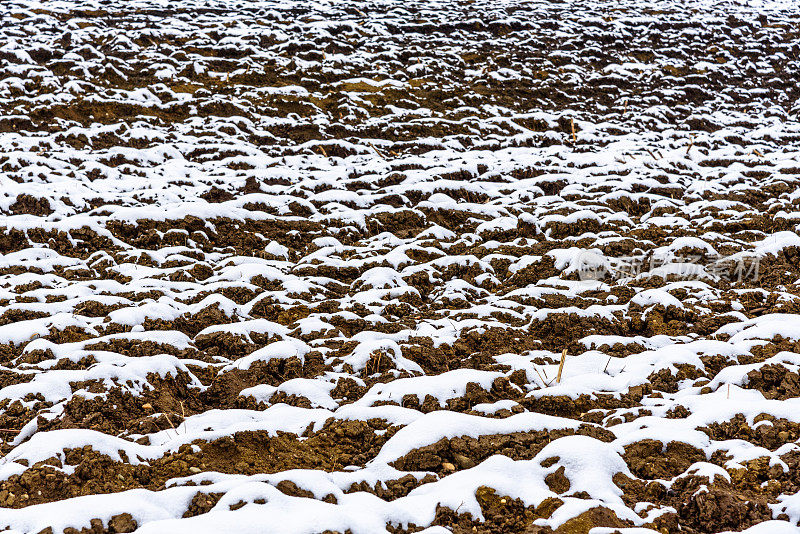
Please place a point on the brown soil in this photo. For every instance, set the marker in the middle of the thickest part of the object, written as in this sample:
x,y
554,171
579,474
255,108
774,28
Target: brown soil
x,y
213,118
466,452
337,445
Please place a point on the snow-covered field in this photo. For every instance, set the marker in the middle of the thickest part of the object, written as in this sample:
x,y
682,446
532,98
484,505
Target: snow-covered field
x,y
399,266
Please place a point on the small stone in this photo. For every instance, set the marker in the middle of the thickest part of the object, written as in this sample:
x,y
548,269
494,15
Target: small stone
x,y
784,436
147,406
194,470
463,462
447,466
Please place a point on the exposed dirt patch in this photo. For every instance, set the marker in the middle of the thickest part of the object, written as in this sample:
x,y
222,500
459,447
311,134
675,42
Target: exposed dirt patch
x,y
465,452
774,382
337,445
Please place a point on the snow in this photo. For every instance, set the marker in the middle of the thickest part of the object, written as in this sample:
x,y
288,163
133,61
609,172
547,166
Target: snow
x,y
283,217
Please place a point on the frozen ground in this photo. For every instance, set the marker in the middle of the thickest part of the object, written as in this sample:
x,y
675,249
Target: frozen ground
x,y
284,266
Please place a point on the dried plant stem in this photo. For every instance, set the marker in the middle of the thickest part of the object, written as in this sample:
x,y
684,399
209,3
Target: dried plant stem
x,y
170,424
544,383
376,150
561,366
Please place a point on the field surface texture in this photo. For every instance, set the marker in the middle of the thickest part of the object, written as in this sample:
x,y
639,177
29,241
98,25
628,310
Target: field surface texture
x,y
399,266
